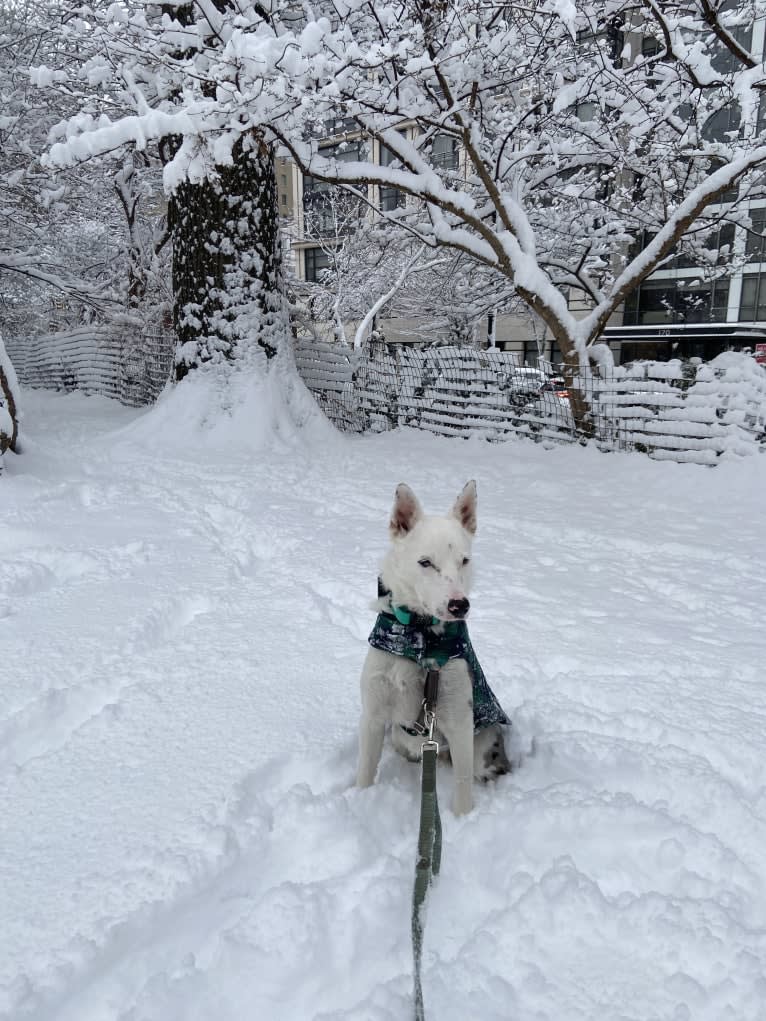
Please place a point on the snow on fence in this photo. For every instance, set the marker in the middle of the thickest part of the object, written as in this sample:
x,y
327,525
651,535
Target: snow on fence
x,y
686,412
127,364
670,410
447,390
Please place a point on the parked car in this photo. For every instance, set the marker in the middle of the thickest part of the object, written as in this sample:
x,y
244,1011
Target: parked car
x,y
523,384
547,412
556,385
542,401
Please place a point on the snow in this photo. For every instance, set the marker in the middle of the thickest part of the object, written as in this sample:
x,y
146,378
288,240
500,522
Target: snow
x,y
184,613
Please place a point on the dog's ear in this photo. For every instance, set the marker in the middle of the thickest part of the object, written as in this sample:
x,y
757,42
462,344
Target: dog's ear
x,y
464,508
405,513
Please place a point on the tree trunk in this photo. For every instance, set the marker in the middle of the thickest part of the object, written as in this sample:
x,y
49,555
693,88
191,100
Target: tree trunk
x,y
227,273
578,401
6,391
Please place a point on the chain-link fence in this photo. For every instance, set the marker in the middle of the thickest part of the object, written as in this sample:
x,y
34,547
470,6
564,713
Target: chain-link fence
x,y
145,365
456,390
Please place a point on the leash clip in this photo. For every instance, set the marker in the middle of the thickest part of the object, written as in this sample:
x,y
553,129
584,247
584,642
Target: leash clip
x,y
424,724
429,723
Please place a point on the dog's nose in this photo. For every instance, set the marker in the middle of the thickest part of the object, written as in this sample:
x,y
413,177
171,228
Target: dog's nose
x,y
458,607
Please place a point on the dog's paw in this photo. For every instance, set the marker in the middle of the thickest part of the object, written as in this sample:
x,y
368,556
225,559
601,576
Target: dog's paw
x,y
491,760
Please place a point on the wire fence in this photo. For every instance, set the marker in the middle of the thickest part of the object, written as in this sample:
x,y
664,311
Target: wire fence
x,y
128,364
672,410
457,390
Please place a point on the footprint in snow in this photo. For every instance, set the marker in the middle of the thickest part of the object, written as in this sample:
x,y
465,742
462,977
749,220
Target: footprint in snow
x,y
335,606
168,619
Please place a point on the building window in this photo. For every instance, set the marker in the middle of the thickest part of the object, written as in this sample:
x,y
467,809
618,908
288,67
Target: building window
x,y
722,59
719,241
663,302
724,124
344,152
340,125
316,261
331,211
752,306
531,352
586,111
755,243
444,152
390,198
283,199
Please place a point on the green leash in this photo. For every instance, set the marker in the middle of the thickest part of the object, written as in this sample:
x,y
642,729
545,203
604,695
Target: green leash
x,y
429,849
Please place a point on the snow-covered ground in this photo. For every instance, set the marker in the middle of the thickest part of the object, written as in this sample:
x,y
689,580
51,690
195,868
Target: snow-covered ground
x,y
181,632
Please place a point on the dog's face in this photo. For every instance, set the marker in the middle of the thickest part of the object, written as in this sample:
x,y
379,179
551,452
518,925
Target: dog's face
x,y
428,568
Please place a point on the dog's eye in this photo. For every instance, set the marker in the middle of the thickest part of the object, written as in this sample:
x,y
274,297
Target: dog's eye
x,y
466,561
425,562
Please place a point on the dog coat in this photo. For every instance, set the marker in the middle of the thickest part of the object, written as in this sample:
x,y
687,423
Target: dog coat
x,y
431,645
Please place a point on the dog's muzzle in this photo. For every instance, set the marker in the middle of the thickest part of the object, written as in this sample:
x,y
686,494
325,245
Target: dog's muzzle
x,y
458,608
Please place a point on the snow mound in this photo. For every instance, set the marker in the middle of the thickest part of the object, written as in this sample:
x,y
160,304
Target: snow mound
x,y
235,406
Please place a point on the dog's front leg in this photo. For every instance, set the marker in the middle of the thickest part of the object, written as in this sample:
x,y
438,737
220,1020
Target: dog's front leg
x,y
461,752
455,712
371,733
375,712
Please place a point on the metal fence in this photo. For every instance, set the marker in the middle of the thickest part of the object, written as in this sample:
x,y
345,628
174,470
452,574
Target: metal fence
x,y
666,409
125,363
673,410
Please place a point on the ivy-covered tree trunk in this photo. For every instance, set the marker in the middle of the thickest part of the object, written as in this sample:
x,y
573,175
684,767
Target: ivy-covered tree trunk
x,y
227,272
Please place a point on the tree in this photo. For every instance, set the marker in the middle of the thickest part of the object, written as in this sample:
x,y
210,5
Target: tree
x,y
222,213
227,274
38,253
135,184
594,137
376,271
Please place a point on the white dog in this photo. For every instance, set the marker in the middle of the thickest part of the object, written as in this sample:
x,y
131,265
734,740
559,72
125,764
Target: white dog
x,y
425,582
